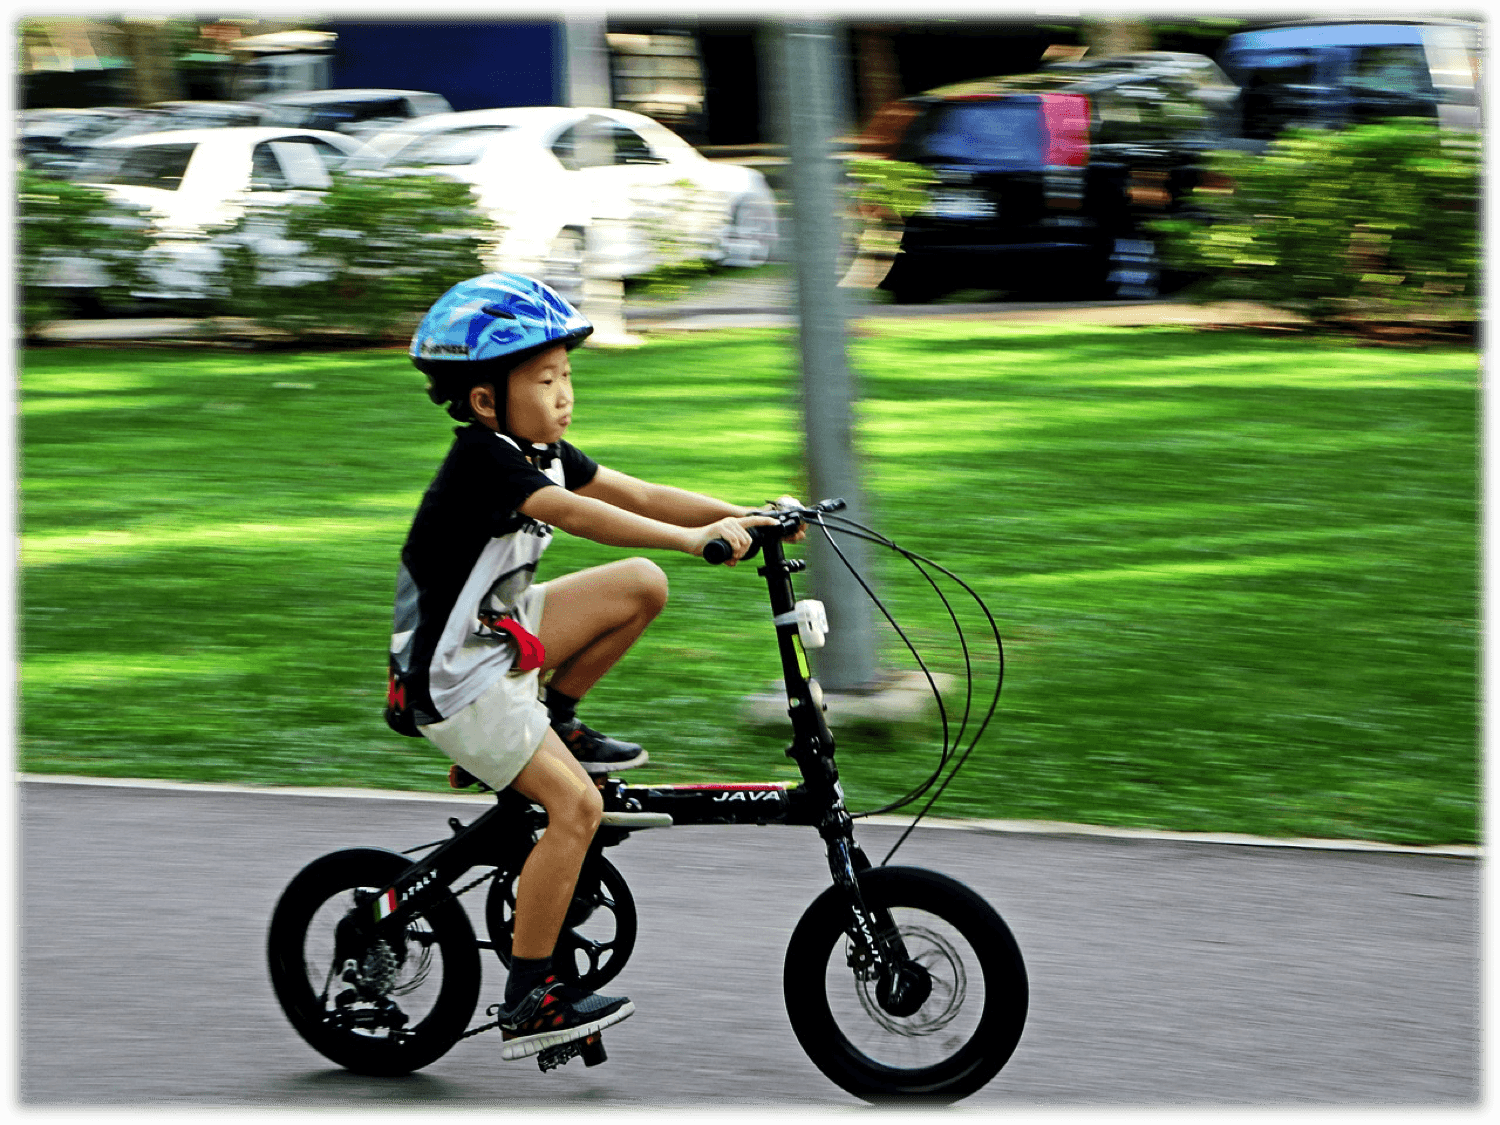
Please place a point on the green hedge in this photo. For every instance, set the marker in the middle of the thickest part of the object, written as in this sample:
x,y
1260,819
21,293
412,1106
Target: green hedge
x,y
69,233
363,262
1376,222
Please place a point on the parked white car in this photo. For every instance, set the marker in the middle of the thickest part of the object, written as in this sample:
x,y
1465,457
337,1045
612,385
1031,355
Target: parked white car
x,y
559,183
193,180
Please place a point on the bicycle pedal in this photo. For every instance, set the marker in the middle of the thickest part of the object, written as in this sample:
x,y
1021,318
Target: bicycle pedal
x,y
591,1050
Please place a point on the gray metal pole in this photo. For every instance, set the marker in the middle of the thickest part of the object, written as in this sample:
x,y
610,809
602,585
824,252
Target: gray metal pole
x,y
809,117
586,57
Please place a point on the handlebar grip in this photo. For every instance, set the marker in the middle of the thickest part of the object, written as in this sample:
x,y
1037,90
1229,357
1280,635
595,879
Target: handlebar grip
x,y
717,551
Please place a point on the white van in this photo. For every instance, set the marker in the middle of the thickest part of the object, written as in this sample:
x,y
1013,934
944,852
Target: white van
x,y
1334,73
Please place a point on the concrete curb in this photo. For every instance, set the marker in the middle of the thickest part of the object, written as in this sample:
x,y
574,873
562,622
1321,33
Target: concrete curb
x,y
702,316
1007,827
1119,314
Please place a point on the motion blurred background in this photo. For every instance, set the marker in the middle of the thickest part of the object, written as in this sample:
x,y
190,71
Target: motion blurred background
x,y
1034,159
1229,528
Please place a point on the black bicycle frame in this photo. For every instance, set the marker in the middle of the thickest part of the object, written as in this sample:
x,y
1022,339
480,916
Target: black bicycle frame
x,y
508,830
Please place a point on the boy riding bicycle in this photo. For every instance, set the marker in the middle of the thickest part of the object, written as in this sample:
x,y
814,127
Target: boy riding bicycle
x,y
473,632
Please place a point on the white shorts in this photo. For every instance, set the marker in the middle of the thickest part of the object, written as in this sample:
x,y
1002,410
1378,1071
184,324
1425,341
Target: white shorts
x,y
496,735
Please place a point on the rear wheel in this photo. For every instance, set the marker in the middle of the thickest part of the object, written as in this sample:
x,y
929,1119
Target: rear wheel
x,y
382,1007
910,284
935,1028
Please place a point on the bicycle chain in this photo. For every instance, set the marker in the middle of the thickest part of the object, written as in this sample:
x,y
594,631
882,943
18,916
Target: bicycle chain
x,y
493,1009
476,882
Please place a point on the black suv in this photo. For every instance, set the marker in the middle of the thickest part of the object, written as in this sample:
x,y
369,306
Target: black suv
x,y
1044,180
1333,73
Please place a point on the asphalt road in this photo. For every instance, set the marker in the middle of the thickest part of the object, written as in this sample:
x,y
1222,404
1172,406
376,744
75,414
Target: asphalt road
x,y
1163,973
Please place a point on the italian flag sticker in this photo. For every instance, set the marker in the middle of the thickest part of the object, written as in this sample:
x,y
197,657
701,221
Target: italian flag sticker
x,y
385,905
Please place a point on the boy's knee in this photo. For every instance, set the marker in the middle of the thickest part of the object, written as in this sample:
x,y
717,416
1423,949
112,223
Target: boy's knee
x,y
581,814
651,585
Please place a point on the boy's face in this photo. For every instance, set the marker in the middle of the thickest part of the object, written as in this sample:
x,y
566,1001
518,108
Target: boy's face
x,y
539,398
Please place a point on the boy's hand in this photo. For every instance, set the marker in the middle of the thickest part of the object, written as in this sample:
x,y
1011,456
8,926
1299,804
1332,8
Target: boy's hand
x,y
789,502
731,529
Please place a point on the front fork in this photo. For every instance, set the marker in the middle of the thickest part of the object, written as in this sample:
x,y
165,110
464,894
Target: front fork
x,y
876,951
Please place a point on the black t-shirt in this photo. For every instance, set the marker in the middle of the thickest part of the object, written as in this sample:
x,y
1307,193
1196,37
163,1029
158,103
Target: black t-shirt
x,y
470,548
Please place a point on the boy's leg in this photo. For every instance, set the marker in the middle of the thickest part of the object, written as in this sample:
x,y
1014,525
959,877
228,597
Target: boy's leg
x,y
539,1012
589,620
544,888
592,617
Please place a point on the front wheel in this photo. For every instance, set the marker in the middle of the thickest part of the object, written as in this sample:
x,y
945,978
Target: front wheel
x,y
936,1028
383,1007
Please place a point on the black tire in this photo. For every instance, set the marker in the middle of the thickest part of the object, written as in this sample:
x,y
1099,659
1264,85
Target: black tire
x,y
432,981
598,934
912,285
949,1046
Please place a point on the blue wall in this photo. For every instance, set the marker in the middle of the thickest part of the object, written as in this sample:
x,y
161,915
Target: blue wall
x,y
473,65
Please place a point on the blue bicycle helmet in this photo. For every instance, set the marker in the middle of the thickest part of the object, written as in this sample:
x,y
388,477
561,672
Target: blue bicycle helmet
x,y
482,328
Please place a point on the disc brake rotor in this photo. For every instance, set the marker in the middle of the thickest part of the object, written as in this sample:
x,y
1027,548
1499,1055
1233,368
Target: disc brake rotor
x,y
941,961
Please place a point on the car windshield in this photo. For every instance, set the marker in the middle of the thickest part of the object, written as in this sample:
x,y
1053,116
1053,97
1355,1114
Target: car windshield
x,y
155,166
1274,67
206,117
331,114
998,136
460,146
422,105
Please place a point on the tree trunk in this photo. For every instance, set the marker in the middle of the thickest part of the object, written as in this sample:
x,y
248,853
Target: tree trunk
x,y
1116,37
879,72
148,46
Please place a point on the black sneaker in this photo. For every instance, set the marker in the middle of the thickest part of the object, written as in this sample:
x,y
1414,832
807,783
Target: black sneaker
x,y
598,753
552,1014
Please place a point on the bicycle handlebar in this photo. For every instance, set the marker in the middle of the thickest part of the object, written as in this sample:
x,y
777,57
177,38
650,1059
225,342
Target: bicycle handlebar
x,y
718,551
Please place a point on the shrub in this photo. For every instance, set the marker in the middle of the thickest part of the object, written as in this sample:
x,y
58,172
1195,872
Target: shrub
x,y
364,262
73,242
891,188
881,195
674,234
1370,223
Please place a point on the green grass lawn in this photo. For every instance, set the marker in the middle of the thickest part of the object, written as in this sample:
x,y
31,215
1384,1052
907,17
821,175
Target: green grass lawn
x,y
1236,574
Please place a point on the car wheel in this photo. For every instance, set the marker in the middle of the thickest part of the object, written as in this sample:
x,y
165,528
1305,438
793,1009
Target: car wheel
x,y
750,236
907,287
563,269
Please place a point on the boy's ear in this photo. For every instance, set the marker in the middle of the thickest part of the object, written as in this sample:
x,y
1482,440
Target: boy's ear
x,y
482,403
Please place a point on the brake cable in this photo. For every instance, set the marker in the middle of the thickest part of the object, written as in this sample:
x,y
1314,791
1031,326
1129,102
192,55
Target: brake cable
x,y
948,748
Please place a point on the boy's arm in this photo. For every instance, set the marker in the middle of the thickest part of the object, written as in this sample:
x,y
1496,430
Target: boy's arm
x,y
590,517
658,501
